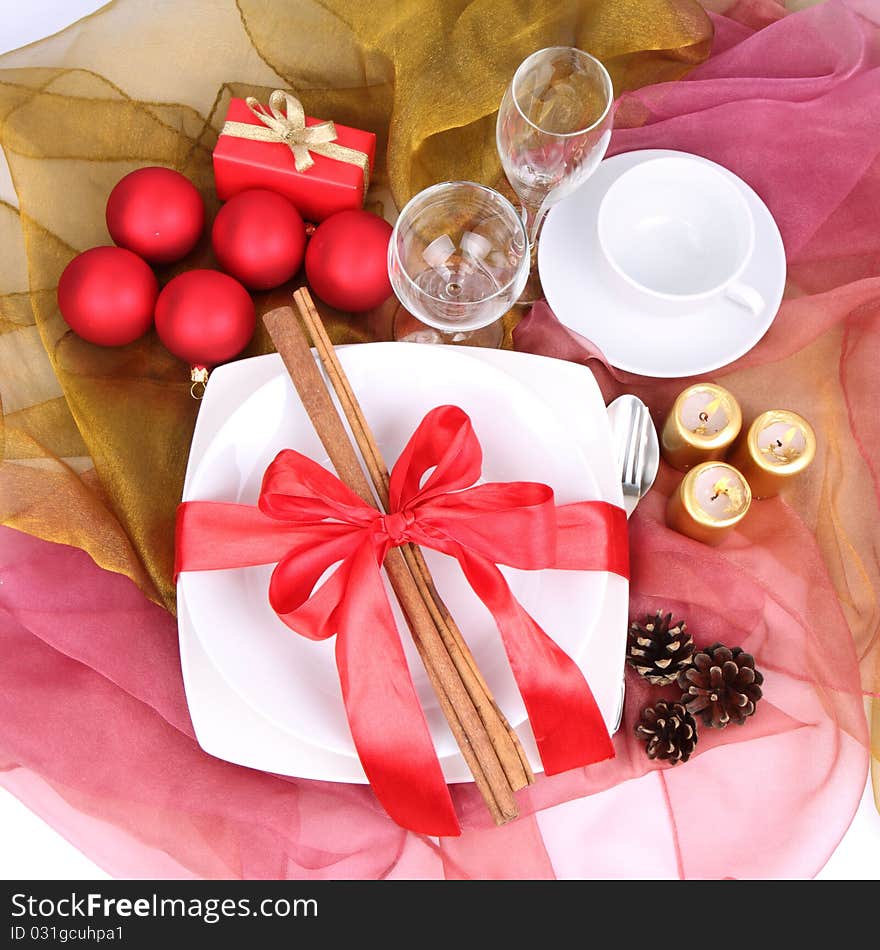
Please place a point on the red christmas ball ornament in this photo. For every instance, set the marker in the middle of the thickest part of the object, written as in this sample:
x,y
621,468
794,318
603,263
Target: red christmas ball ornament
x,y
347,260
259,238
107,295
205,317
157,213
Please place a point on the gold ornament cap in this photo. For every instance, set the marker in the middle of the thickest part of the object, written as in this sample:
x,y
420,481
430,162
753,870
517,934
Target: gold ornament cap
x,y
199,377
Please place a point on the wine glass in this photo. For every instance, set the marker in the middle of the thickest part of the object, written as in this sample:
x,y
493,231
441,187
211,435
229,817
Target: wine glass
x,y
458,260
553,129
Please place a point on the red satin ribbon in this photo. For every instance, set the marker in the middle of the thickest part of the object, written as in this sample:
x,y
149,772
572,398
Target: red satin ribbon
x,y
308,520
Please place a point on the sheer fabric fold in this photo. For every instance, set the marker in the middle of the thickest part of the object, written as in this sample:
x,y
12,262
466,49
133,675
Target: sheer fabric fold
x,y
94,730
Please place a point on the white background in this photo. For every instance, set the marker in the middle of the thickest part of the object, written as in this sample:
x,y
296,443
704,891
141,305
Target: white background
x,y
30,849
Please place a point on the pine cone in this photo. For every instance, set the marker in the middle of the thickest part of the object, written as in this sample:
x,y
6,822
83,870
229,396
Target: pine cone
x,y
669,732
659,650
721,686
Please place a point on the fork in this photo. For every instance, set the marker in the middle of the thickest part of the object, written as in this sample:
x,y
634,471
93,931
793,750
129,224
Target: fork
x,y
632,461
633,456
632,464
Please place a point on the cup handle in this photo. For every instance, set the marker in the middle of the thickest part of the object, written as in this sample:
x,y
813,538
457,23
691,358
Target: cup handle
x,y
746,297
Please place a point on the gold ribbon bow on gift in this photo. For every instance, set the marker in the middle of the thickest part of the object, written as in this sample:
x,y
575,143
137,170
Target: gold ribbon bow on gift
x,y
289,126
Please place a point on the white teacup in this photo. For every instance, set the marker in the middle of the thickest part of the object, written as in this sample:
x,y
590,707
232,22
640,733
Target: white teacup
x,y
679,232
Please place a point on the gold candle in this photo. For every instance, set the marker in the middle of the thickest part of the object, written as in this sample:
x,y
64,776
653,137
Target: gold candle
x,y
701,426
777,446
710,501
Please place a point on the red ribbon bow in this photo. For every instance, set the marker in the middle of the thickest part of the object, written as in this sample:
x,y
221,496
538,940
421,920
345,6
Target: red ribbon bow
x,y
308,520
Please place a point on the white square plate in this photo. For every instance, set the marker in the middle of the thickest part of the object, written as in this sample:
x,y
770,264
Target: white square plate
x,y
263,697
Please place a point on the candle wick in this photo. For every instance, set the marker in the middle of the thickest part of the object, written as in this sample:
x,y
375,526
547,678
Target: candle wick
x,y
781,449
704,423
732,492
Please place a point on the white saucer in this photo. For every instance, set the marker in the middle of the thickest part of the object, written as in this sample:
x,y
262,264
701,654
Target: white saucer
x,y
586,297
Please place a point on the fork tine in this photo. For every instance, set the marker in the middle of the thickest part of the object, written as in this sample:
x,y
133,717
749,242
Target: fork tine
x,y
621,438
641,441
629,458
627,445
637,428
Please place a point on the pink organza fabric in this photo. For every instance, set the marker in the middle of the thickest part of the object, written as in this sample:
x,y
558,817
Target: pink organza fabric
x,y
791,108
94,730
96,738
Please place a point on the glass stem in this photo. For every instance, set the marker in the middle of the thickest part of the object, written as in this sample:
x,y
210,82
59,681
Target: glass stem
x,y
533,218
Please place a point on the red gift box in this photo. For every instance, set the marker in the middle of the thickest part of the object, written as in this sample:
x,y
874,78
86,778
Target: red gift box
x,y
329,185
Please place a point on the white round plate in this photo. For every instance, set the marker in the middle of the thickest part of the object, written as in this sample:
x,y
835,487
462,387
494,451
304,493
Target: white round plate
x,y
293,681
585,296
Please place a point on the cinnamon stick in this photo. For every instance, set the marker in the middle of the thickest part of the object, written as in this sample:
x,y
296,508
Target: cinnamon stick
x,y
464,721
504,738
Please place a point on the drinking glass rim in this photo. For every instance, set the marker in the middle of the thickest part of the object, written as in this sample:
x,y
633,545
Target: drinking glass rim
x,y
562,135
392,244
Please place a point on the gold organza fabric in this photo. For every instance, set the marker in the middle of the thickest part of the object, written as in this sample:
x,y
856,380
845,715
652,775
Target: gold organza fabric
x,y
96,440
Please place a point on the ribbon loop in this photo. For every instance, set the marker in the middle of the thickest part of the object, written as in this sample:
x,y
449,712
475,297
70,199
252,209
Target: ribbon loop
x,y
284,120
308,521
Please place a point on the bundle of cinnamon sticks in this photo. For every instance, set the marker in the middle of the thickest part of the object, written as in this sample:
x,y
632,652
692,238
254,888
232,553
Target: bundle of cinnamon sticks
x,y
489,745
